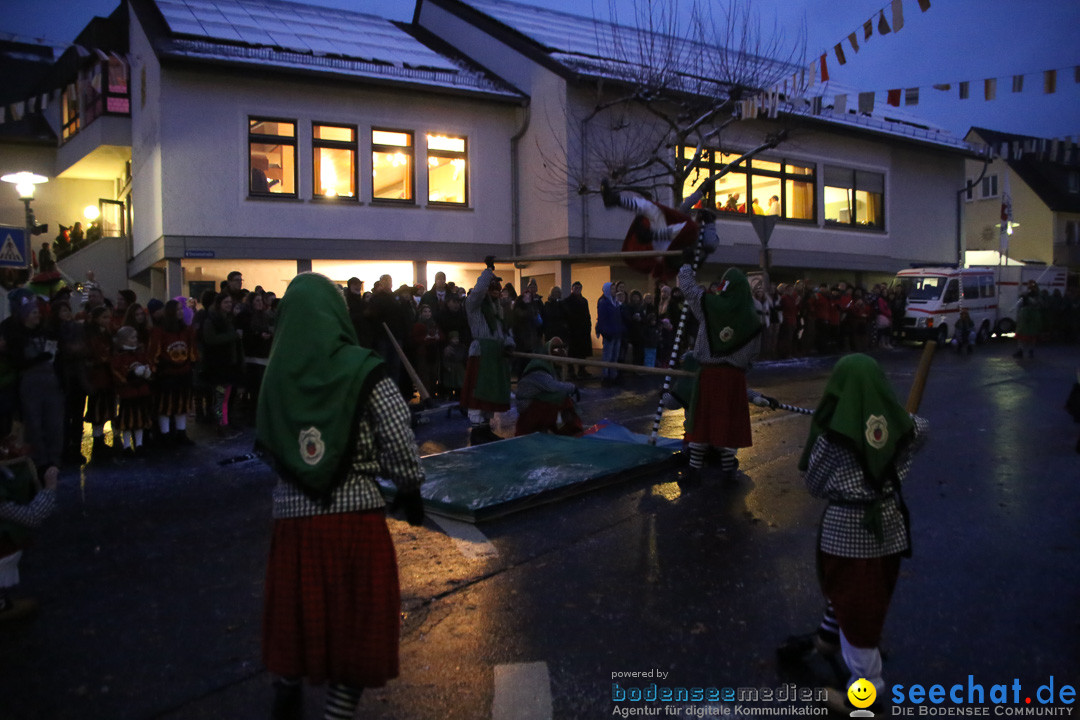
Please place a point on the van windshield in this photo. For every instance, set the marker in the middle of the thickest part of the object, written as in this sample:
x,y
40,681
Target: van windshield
x,y
924,288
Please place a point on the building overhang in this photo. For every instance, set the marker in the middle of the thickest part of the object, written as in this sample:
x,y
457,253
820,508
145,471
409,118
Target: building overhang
x,y
98,152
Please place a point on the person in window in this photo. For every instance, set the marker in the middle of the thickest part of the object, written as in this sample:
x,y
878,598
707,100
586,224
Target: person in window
x,y
756,208
330,421
774,206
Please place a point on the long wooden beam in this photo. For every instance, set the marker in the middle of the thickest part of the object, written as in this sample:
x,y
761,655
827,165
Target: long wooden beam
x,y
605,364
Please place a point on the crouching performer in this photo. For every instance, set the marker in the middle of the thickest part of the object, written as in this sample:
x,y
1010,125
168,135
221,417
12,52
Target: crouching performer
x,y
330,420
487,371
544,403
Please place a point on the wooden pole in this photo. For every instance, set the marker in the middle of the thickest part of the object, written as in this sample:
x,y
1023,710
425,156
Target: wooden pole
x,y
919,385
604,364
424,394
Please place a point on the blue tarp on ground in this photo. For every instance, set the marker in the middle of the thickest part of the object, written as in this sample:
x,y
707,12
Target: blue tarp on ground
x,y
494,479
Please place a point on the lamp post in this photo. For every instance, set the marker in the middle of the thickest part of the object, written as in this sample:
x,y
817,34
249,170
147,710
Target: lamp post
x,y
25,183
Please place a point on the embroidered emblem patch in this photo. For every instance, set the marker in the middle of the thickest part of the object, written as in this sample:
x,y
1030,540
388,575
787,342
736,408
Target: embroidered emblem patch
x,y
727,333
312,447
877,431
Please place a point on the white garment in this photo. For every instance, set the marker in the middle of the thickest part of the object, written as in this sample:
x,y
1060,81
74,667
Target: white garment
x,y
863,663
9,569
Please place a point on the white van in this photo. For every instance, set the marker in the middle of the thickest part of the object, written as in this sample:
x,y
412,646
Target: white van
x,y
990,295
933,301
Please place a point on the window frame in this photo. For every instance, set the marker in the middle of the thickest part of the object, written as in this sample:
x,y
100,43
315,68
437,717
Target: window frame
x,y
409,150
318,144
709,164
855,188
450,154
266,139
989,183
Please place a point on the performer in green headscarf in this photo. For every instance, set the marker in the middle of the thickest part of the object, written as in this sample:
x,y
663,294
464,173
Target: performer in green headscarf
x,y
330,420
726,344
487,371
545,403
857,456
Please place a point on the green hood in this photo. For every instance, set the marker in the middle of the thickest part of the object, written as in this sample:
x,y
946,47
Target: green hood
x,y
316,380
730,317
860,407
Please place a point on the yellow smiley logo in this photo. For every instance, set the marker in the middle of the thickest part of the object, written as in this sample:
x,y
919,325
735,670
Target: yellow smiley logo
x,y
862,693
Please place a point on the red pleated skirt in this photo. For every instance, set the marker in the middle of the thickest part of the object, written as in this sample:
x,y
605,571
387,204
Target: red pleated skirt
x,y
333,605
860,590
722,417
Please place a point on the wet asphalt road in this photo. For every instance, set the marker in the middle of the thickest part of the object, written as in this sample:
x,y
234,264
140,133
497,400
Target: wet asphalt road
x,y
150,574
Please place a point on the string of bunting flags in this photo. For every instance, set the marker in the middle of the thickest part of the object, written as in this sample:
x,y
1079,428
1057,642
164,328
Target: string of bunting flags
x,y
39,102
797,90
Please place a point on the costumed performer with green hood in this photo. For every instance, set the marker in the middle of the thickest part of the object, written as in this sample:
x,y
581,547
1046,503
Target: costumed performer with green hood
x,y
331,420
486,390
726,344
858,455
544,403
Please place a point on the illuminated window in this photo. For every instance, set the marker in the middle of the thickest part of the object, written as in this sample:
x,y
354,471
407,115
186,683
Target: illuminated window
x,y
448,170
69,110
334,161
779,187
854,197
392,165
272,157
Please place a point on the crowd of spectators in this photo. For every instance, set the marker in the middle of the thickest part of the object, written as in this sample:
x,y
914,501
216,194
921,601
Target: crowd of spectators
x,y
144,368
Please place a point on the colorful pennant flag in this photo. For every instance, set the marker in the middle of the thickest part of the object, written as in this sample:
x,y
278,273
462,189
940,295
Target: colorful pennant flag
x,y
893,97
897,15
839,48
989,88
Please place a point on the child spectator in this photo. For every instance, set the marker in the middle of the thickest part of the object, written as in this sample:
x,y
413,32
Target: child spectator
x,y
23,506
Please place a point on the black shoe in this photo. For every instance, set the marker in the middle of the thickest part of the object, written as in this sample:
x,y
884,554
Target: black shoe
x,y
288,702
609,196
689,476
482,434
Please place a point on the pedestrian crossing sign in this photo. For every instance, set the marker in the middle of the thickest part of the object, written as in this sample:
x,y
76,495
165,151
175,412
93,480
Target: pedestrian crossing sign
x,y
13,247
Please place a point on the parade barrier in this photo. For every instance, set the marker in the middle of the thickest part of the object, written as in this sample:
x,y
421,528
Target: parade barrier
x,y
495,479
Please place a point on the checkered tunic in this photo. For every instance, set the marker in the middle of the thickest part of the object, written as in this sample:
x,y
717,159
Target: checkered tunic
x,y
835,474
385,447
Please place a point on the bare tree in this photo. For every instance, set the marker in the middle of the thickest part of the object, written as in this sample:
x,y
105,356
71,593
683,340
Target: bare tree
x,y
672,79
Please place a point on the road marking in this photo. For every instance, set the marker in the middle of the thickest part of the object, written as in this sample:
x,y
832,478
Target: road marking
x,y
472,543
522,692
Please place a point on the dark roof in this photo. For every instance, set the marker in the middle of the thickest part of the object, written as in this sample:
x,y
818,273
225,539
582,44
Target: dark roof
x,y
1044,165
24,71
583,48
297,38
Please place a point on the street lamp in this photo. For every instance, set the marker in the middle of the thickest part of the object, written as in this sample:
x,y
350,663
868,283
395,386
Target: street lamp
x,y
25,183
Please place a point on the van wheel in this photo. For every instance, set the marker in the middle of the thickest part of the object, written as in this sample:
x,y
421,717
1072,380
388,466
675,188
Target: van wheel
x,y
942,336
1007,325
983,336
